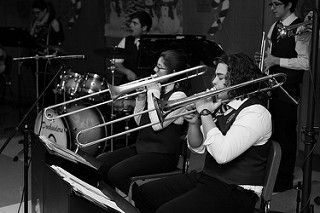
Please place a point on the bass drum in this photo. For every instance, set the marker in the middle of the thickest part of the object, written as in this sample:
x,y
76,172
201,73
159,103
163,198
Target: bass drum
x,y
64,130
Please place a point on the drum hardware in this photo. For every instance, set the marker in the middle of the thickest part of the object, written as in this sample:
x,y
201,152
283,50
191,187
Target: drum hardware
x,y
113,53
37,57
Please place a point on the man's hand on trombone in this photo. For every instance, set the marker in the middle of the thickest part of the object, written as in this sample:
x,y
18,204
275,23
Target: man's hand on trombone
x,y
199,106
270,61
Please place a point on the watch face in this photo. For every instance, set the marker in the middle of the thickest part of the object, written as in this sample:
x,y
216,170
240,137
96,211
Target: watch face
x,y
205,112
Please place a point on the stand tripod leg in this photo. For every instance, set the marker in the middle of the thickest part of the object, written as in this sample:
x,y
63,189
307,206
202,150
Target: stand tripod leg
x,y
26,167
16,157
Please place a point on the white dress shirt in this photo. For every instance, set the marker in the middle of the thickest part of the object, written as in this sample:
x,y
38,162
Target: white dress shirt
x,y
252,127
153,115
302,48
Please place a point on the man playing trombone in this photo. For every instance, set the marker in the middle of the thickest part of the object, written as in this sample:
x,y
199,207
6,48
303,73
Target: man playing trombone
x,y
157,147
236,146
288,54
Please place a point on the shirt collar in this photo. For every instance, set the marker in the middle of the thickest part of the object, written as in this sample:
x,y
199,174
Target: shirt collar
x,y
168,88
235,104
289,19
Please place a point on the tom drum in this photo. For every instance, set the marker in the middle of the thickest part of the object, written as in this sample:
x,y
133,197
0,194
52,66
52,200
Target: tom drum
x,y
93,83
70,84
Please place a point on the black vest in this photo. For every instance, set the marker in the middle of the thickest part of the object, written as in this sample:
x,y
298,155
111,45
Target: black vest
x,y
166,140
285,48
246,169
131,61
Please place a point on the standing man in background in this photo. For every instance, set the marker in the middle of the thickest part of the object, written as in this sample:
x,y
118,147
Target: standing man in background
x,y
140,23
289,55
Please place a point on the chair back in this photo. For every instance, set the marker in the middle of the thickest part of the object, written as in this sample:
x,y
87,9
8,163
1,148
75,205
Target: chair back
x,y
271,173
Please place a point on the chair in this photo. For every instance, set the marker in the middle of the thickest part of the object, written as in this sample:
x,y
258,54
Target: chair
x,y
183,167
270,177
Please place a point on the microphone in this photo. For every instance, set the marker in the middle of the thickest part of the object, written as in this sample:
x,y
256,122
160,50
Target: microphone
x,y
69,57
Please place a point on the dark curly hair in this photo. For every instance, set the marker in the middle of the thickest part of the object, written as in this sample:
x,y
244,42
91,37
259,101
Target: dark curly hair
x,y
241,68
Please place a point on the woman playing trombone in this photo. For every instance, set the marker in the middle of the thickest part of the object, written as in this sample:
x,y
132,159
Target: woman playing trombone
x,y
157,147
236,146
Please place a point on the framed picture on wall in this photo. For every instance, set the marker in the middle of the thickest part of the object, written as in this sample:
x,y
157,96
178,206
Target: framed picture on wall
x,y
166,16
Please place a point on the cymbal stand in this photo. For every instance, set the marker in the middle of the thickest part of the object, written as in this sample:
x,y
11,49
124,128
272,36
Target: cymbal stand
x,y
36,57
112,69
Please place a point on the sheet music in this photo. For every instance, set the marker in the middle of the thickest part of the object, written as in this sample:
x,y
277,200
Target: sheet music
x,y
86,190
63,152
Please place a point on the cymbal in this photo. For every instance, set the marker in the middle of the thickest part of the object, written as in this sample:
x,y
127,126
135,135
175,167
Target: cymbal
x,y
111,52
56,49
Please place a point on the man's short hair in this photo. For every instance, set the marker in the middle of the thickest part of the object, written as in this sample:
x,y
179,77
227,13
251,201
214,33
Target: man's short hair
x,y
293,2
144,18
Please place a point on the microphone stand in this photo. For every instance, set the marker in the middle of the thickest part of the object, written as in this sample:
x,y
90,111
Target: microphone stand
x,y
310,129
26,141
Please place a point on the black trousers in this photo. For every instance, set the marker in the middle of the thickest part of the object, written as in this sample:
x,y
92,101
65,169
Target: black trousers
x,y
284,115
193,192
118,166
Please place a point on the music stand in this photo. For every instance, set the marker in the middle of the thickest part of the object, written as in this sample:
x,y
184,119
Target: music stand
x,y
17,37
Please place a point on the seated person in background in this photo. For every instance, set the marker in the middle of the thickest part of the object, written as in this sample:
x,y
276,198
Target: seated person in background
x,y
236,146
140,23
157,147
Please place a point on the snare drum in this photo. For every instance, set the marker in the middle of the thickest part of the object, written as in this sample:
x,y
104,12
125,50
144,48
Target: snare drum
x,y
93,83
69,83
64,130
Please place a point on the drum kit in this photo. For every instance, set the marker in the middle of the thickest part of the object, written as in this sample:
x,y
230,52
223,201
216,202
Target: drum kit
x,y
72,86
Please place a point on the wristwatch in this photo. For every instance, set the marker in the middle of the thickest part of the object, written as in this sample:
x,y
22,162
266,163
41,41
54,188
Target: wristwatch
x,y
205,112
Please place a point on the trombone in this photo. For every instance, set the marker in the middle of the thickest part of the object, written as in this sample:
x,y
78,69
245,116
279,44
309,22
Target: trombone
x,y
288,31
261,66
163,108
168,106
120,92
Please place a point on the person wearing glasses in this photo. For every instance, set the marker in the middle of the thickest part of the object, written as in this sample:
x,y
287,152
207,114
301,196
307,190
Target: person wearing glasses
x,y
157,147
235,142
289,55
140,23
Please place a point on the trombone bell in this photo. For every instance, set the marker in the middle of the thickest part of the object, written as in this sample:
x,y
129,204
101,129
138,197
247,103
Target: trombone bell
x,y
288,31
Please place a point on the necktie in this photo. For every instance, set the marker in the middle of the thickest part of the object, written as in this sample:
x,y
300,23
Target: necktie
x,y
279,27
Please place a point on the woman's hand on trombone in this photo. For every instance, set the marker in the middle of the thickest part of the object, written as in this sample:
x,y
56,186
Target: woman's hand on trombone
x,y
193,116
